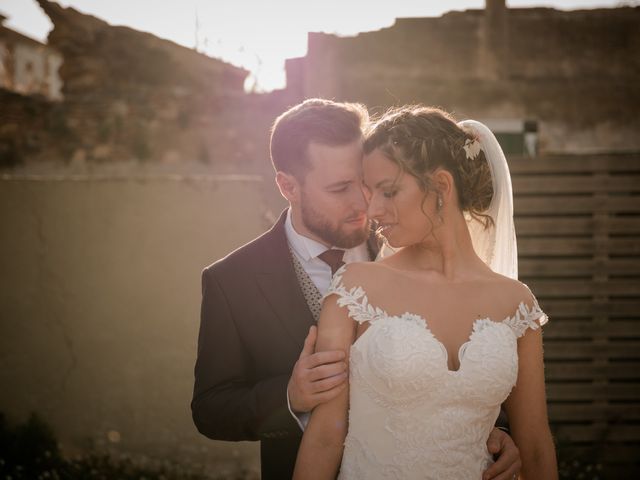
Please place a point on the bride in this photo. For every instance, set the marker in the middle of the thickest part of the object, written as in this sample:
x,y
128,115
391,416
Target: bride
x,y
441,333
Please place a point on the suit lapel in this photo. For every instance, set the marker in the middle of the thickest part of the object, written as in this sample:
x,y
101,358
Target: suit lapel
x,y
278,282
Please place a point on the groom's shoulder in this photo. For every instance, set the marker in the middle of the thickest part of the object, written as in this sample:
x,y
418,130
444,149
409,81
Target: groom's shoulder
x,y
248,255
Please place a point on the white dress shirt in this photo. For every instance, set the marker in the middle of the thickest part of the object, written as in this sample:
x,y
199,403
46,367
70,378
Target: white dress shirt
x,y
306,251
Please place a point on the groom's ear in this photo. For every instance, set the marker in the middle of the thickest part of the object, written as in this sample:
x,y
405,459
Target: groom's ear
x,y
289,187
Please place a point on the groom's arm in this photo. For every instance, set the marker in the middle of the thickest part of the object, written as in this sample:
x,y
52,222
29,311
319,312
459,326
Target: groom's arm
x,y
505,452
227,404
502,422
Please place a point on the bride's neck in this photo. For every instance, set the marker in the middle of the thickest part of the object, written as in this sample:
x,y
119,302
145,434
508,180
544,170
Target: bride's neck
x,y
448,251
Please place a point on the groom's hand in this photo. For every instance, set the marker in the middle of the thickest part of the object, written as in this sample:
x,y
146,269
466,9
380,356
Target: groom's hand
x,y
508,464
317,377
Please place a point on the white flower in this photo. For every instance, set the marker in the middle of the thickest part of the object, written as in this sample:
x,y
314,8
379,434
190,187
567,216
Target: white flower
x,y
471,148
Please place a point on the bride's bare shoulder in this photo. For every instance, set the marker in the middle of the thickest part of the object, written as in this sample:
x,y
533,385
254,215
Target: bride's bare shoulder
x,y
363,273
359,270
511,290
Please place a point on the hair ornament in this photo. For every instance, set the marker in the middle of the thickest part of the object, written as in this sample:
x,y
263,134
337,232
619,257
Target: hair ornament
x,y
471,148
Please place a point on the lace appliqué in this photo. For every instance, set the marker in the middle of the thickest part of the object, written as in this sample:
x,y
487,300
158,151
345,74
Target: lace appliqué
x,y
525,317
354,299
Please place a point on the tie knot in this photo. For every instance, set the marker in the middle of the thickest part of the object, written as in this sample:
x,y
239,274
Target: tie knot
x,y
333,258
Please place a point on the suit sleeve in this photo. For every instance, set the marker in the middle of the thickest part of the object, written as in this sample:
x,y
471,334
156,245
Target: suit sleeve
x,y
502,422
227,404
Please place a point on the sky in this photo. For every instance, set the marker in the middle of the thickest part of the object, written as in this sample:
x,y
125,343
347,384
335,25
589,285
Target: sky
x,y
257,35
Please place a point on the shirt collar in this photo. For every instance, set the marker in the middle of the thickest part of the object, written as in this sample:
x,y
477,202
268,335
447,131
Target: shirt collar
x,y
304,247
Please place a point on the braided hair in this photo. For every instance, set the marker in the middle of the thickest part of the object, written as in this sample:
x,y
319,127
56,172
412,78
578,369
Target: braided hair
x,y
421,139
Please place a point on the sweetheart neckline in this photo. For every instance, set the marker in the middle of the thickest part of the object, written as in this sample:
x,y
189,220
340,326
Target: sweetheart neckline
x,y
357,297
435,339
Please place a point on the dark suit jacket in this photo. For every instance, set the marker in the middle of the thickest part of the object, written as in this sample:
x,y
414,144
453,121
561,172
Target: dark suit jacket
x,y
254,320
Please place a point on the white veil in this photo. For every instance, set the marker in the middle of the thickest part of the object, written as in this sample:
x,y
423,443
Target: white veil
x,y
495,245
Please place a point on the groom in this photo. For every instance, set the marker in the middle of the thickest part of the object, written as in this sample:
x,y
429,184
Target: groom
x,y
256,375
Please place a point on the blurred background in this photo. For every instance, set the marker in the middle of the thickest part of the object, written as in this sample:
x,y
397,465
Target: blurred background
x,y
134,152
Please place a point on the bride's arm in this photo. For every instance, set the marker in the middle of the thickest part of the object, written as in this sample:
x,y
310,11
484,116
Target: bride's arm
x,y
527,411
322,443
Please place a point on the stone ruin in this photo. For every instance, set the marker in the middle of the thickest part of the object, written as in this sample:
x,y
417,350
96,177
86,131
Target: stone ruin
x,y
129,96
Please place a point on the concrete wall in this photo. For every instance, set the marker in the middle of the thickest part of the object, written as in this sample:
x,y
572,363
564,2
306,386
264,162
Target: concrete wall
x,y
99,304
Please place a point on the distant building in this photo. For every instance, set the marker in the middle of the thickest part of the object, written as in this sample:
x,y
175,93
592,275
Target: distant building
x,y
27,66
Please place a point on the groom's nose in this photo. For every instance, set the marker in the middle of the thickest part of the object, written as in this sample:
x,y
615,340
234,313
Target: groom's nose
x,y
358,201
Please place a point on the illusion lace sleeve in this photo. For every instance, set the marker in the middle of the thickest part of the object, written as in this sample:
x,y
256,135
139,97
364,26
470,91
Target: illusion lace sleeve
x,y
353,298
527,317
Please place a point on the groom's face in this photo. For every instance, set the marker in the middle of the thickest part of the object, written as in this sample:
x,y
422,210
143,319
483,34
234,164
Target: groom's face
x,y
332,203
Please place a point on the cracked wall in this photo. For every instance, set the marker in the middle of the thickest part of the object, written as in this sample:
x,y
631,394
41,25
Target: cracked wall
x,y
99,304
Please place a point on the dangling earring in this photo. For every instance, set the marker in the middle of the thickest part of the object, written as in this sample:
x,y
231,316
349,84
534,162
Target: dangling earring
x,y
439,205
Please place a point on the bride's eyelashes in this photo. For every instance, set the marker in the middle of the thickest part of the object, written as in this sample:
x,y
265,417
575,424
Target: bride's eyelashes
x,y
390,193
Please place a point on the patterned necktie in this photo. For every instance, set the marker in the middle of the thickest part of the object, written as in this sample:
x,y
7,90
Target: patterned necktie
x,y
333,258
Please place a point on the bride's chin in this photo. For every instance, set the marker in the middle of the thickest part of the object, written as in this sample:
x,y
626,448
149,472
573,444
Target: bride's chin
x,y
394,243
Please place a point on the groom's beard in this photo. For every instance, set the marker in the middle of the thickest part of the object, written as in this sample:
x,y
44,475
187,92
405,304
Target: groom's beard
x,y
338,234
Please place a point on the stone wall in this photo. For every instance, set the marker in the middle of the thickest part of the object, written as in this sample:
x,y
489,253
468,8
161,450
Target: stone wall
x,y
576,73
132,97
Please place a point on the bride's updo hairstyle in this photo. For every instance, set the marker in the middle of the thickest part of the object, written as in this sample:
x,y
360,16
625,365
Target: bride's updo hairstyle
x,y
420,139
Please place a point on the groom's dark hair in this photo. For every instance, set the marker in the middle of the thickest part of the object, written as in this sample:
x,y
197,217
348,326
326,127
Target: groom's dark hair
x,y
314,120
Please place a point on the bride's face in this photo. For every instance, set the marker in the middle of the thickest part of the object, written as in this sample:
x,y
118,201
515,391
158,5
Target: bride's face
x,y
397,202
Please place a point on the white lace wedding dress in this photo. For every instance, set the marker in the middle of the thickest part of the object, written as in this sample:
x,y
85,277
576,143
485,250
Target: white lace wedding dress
x,y
410,417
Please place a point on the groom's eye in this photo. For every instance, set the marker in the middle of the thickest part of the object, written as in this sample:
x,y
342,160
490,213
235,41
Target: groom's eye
x,y
340,189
